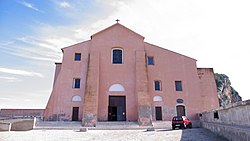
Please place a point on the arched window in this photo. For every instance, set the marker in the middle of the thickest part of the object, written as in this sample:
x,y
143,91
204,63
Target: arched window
x,y
116,88
157,98
117,56
76,98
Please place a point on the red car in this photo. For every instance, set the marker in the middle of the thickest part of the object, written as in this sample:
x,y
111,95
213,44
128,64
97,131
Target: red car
x,y
181,122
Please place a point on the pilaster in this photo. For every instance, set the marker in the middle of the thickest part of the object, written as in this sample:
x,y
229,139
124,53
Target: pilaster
x,y
142,92
90,106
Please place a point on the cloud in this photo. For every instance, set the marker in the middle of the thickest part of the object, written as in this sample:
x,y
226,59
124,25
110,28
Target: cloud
x,y
27,56
39,48
33,54
64,4
27,100
20,72
31,6
6,43
38,42
7,99
10,79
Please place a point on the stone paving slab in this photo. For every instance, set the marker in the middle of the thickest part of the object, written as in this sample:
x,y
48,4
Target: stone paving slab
x,y
112,135
99,126
62,125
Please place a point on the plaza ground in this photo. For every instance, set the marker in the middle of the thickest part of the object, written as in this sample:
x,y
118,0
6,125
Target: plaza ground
x,y
114,135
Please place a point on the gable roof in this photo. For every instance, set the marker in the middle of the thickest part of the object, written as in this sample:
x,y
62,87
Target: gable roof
x,y
155,46
114,25
70,46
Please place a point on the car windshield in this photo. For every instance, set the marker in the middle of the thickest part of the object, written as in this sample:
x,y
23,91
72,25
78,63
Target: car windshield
x,y
177,119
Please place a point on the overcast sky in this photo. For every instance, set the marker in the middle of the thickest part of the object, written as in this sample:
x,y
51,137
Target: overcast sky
x,y
32,33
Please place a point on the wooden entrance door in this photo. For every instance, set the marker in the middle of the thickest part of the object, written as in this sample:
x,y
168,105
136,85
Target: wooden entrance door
x,y
158,113
75,113
180,110
117,108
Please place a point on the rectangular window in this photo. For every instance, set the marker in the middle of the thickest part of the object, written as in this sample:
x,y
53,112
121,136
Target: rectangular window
x,y
77,56
157,85
150,60
77,83
216,114
117,56
178,86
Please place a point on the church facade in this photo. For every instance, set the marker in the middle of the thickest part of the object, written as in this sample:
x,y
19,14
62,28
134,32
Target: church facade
x,y
117,76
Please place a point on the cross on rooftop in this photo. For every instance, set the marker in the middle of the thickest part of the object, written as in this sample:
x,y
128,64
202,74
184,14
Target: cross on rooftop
x,y
117,20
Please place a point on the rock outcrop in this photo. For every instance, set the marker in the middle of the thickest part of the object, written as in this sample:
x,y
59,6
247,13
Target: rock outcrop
x,y
226,93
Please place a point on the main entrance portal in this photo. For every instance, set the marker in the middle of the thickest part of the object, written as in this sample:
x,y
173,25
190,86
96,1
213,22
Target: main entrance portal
x,y
117,108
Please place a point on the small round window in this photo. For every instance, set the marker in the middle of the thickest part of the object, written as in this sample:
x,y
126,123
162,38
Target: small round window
x,y
179,100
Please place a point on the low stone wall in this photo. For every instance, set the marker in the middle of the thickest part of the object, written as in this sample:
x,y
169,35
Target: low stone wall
x,y
5,126
231,132
23,125
17,113
17,124
232,121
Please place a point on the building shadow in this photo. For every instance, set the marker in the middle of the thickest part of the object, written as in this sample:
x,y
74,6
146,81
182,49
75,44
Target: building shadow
x,y
200,134
163,130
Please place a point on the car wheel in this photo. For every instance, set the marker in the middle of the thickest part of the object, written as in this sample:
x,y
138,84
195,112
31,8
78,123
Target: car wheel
x,y
190,126
173,127
184,126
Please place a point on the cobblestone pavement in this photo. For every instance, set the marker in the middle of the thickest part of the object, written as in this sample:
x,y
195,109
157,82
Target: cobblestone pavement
x,y
195,134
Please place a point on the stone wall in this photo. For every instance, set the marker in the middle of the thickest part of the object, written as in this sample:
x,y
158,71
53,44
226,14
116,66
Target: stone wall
x,y
5,126
231,121
22,124
17,124
208,92
12,113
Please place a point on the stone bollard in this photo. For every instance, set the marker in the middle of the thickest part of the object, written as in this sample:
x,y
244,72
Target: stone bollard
x,y
83,129
151,129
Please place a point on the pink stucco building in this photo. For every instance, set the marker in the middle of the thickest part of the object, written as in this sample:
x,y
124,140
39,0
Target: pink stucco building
x,y
116,76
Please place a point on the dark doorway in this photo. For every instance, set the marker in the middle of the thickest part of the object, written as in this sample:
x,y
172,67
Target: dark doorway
x,y
117,108
158,113
180,110
75,113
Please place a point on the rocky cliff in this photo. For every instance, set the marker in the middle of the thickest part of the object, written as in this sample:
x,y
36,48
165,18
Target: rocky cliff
x,y
226,93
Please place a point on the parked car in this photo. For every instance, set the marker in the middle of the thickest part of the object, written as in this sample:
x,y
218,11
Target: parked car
x,y
181,122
